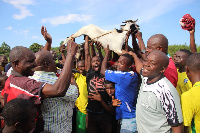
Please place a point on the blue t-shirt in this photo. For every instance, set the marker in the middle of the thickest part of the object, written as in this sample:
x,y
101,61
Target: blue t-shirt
x,y
125,90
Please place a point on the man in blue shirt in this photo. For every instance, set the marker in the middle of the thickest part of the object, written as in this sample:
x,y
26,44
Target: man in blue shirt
x,y
126,82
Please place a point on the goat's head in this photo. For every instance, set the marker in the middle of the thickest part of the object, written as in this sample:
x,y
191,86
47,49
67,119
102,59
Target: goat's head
x,y
129,24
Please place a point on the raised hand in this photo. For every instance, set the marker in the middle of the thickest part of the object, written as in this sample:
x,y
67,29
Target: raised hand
x,y
98,45
116,102
62,48
138,35
107,50
46,35
192,31
96,96
72,48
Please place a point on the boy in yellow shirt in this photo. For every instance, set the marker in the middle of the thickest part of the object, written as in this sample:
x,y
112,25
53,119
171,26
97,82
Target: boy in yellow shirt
x,y
82,100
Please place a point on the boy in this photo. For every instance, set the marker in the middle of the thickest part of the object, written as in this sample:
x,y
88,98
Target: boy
x,y
191,99
158,105
19,115
99,120
82,100
110,89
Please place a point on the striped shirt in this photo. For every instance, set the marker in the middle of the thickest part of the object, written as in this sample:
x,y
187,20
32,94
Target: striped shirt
x,y
57,112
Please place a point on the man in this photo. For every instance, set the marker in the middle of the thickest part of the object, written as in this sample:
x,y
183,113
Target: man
x,y
57,112
126,82
23,63
158,105
160,42
19,115
190,100
183,83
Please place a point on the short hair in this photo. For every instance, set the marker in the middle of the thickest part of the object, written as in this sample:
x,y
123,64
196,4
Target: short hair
x,y
80,61
17,53
17,110
186,51
130,58
108,82
193,62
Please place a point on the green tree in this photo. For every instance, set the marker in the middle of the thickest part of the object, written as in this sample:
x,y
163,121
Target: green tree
x,y
35,47
5,49
61,42
172,49
198,49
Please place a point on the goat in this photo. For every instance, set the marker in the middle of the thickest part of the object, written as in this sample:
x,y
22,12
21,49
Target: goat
x,y
114,38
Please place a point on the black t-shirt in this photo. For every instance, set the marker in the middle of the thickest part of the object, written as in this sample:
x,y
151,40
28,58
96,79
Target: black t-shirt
x,y
95,81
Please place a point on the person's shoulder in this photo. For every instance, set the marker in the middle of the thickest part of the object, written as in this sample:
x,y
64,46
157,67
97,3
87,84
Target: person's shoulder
x,y
171,64
166,83
194,91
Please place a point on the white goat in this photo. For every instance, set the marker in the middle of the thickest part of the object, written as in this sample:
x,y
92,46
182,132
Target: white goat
x,y
114,38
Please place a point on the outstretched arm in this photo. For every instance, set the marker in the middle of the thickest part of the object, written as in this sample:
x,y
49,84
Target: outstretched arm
x,y
87,54
62,84
105,60
47,37
192,41
92,49
98,46
141,44
62,50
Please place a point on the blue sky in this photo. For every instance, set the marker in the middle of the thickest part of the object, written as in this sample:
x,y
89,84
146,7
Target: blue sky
x,y
21,20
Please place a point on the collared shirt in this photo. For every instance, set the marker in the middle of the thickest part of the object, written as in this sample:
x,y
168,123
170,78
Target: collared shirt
x,y
57,112
19,86
158,107
183,83
190,106
171,72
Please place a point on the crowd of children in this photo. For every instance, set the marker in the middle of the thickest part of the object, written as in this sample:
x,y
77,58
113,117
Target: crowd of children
x,y
141,90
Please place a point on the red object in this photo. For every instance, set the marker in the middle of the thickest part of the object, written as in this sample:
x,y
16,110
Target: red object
x,y
171,72
111,63
187,22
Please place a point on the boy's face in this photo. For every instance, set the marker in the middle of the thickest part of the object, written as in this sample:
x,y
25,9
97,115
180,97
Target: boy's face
x,y
110,89
152,66
180,59
96,63
30,124
81,67
123,64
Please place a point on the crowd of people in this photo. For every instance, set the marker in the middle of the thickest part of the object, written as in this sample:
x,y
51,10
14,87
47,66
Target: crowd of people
x,y
142,90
